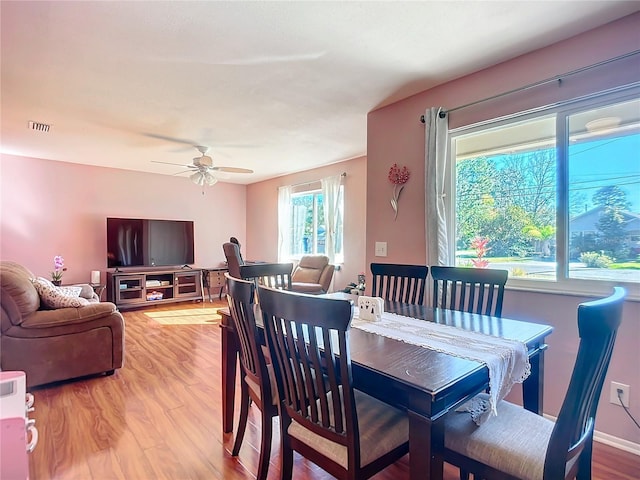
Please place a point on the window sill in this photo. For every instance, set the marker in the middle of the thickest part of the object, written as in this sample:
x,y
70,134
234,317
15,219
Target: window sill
x,y
574,288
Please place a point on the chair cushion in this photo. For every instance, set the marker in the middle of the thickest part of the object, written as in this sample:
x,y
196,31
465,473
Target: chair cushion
x,y
58,297
306,275
382,429
316,262
515,441
306,287
255,388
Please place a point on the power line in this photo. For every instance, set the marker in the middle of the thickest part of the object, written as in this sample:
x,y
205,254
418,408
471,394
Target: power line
x,y
522,193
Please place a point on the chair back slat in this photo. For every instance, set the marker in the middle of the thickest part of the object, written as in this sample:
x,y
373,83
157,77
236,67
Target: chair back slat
x,y
474,290
273,275
399,283
598,323
308,341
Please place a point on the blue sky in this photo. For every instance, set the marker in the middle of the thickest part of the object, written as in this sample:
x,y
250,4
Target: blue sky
x,y
600,163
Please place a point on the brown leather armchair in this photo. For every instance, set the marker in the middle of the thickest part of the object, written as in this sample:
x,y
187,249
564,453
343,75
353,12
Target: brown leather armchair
x,y
313,275
60,344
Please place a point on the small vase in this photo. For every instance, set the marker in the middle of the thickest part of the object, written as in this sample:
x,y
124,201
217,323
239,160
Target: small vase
x,y
57,283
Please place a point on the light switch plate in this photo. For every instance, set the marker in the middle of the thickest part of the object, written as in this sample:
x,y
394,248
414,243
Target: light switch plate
x,y
381,249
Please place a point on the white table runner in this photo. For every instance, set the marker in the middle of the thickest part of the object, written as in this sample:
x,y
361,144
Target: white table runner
x,y
507,360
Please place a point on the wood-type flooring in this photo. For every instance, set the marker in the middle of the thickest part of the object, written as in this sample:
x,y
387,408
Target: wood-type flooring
x,y
159,417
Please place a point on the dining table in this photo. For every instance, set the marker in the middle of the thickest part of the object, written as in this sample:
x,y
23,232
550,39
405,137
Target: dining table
x,y
426,383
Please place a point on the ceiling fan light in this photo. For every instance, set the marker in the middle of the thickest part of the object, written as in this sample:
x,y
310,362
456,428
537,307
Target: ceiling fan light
x,y
197,178
210,179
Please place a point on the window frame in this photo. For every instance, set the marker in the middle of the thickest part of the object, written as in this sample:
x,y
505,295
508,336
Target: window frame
x,y
562,111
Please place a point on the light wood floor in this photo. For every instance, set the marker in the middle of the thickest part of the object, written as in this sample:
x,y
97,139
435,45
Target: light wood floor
x,y
159,417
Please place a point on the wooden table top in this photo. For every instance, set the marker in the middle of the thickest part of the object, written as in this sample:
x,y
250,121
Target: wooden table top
x,y
407,369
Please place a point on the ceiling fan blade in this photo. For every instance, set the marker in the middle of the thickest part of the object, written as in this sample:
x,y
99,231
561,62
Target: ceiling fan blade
x,y
184,171
176,164
170,139
270,59
252,60
217,146
232,169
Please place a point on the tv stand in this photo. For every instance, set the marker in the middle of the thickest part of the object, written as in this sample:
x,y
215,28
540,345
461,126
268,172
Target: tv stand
x,y
144,287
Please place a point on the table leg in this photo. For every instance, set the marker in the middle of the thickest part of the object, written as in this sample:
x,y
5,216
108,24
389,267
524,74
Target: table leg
x,y
426,445
206,283
229,362
533,386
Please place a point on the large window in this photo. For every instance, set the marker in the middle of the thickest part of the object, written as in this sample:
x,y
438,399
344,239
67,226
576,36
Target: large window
x,y
308,225
552,196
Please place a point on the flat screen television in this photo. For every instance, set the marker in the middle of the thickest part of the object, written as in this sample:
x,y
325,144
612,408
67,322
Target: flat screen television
x,y
140,242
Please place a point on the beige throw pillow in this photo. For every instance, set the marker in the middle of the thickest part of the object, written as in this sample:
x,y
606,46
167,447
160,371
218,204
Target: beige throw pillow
x,y
58,297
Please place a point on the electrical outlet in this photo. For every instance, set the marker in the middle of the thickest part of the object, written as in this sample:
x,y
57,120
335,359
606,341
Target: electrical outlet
x,y
381,249
615,386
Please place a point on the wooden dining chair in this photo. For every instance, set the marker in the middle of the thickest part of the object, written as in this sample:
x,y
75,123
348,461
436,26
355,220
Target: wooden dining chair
x,y
346,432
275,275
475,290
518,444
256,372
399,283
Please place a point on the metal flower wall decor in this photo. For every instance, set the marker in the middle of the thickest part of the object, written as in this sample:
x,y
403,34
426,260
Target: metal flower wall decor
x,y
398,176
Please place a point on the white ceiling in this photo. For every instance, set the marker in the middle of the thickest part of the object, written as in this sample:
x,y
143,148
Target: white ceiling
x,y
276,87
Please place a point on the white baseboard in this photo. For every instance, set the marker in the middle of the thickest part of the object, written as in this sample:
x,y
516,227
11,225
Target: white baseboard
x,y
616,442
610,440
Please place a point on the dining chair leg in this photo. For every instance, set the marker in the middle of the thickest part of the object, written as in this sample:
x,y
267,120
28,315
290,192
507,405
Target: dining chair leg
x,y
584,462
244,415
286,467
265,447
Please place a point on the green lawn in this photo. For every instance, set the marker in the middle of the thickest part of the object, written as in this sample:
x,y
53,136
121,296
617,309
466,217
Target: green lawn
x,y
471,256
468,255
625,266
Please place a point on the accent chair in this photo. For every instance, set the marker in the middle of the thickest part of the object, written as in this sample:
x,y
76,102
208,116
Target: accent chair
x,y
313,275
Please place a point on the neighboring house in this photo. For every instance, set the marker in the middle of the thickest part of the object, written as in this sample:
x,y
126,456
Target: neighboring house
x,y
585,225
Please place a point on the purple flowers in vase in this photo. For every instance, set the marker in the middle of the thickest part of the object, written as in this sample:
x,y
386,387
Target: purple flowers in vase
x,y
58,270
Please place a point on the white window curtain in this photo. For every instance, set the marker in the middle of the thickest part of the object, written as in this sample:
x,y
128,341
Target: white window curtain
x,y
284,223
331,193
436,143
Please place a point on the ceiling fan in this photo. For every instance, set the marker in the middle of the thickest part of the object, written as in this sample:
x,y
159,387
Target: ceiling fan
x,y
204,172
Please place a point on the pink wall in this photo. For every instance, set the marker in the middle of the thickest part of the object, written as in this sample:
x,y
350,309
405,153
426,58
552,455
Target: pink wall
x,y
52,208
262,216
395,134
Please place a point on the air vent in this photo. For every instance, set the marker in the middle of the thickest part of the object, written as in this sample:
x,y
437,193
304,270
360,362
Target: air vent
x,y
39,127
